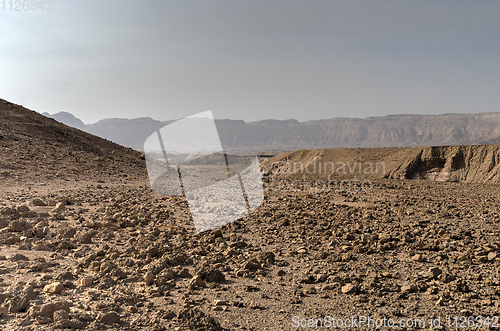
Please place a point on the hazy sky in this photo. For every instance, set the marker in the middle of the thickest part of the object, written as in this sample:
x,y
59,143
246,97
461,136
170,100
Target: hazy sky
x,y
253,59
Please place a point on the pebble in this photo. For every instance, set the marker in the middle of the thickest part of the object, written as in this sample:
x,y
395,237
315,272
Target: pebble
x,y
418,258
23,209
465,312
302,250
20,300
46,310
220,303
408,288
252,265
198,281
434,272
149,278
38,202
60,207
349,288
19,257
85,281
110,318
17,225
53,288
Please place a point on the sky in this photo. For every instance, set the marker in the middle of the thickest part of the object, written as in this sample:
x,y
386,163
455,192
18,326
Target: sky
x,y
253,59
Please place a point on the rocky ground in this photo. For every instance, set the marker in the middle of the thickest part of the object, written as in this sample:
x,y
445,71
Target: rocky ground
x,y
85,244
115,255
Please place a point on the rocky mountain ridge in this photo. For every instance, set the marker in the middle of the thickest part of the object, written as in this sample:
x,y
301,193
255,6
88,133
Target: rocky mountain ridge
x,y
288,135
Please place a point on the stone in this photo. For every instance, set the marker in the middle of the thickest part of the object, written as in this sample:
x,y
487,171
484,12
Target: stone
x,y
67,232
17,226
153,251
302,250
109,318
492,256
220,303
267,258
60,316
183,273
19,257
418,258
149,278
211,274
407,288
65,201
20,300
445,278
349,288
106,267
118,273
85,282
47,310
197,281
38,202
8,211
465,312
321,278
23,209
60,207
168,274
434,272
252,265
62,321
251,288
53,288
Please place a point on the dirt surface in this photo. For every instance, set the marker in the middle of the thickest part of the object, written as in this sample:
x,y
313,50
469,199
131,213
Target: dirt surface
x,y
93,249
408,249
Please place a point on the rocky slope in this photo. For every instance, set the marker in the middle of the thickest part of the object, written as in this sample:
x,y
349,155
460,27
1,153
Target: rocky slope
x,y
38,148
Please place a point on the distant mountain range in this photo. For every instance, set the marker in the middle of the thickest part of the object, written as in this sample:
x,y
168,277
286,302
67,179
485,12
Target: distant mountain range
x,y
286,135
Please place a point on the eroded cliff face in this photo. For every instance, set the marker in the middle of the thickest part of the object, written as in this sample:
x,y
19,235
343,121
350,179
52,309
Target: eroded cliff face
x,y
467,164
477,163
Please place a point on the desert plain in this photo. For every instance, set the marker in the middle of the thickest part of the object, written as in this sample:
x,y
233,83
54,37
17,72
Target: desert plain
x,y
85,244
